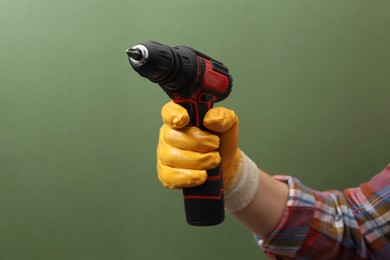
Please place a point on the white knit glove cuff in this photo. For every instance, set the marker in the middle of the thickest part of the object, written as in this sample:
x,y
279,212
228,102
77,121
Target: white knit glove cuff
x,y
245,189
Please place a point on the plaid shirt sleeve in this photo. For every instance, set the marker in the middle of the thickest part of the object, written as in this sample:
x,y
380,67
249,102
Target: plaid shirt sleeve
x,y
353,224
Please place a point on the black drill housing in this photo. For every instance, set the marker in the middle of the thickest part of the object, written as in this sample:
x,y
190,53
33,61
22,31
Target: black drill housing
x,y
196,82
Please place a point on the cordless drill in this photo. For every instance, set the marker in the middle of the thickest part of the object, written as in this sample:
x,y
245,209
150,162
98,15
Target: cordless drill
x,y
196,82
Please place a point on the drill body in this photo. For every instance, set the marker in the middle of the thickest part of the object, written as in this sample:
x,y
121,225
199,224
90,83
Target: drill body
x,y
196,82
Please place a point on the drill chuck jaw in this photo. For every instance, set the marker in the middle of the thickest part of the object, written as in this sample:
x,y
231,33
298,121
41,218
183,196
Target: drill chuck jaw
x,y
138,55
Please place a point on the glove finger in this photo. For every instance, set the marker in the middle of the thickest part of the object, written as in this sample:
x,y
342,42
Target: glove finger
x,y
174,115
175,178
179,158
190,138
220,119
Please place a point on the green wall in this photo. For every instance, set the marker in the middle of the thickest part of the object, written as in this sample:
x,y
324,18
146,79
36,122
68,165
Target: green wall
x,y
78,127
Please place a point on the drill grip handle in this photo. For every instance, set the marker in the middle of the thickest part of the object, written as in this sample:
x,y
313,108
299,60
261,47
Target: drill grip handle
x,y
204,204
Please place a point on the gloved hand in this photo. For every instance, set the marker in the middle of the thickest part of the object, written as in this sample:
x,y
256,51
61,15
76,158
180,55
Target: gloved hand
x,y
185,153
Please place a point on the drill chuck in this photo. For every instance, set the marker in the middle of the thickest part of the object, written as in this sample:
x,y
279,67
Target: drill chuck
x,y
170,67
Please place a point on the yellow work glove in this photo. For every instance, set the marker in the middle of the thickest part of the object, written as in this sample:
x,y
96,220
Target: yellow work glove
x,y
184,152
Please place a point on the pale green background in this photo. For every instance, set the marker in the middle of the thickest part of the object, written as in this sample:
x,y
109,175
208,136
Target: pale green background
x,y
78,127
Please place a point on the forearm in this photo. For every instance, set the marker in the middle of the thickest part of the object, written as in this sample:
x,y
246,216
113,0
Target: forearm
x,y
265,211
289,217
254,197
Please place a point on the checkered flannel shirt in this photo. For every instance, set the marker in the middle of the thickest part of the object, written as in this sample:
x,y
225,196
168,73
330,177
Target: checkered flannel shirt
x,y
353,224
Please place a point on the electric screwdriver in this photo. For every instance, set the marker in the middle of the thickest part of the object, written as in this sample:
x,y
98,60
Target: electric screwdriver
x,y
195,81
